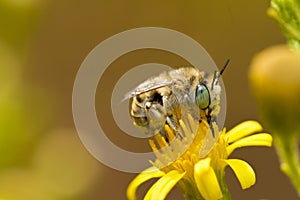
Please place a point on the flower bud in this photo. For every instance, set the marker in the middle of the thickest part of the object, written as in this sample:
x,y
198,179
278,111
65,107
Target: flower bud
x,y
275,80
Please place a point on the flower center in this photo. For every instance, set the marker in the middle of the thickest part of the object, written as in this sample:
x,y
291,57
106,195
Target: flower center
x,y
181,150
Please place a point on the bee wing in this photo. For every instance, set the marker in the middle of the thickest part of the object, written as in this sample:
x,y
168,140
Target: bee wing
x,y
164,79
146,87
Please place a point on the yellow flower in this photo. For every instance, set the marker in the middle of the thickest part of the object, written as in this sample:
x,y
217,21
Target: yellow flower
x,y
198,176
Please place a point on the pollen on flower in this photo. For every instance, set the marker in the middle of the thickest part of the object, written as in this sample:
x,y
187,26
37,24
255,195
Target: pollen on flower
x,y
181,150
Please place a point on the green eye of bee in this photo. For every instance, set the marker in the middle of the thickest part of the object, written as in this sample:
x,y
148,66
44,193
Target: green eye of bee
x,y
202,96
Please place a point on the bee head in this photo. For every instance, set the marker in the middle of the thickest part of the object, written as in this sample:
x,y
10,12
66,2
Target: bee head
x,y
205,94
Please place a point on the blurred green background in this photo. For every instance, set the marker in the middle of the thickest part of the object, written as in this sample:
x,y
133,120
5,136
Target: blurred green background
x,y
43,43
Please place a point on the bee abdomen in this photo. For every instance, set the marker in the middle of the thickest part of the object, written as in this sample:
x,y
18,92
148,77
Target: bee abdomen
x,y
137,112
140,121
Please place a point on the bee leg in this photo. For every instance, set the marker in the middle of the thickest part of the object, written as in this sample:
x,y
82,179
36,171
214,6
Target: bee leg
x,y
212,131
157,116
171,119
212,120
171,116
213,112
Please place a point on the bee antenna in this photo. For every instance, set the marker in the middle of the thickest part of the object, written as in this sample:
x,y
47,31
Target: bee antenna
x,y
218,76
224,66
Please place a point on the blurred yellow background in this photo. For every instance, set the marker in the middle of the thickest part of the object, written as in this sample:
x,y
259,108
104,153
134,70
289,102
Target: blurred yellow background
x,y
43,43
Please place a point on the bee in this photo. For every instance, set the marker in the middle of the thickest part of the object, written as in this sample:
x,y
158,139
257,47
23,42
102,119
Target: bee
x,y
166,98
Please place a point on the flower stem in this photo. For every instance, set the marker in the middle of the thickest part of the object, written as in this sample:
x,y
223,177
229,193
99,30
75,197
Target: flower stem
x,y
223,185
287,15
287,148
189,190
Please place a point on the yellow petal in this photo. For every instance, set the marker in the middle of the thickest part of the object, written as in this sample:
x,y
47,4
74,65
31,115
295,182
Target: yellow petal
x,y
206,180
261,139
243,129
144,176
163,186
243,172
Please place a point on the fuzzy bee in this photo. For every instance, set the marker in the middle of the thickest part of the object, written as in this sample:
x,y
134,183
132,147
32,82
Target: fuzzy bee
x,y
164,99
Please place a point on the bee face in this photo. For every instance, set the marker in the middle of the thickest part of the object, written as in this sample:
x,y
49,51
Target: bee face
x,y
162,100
